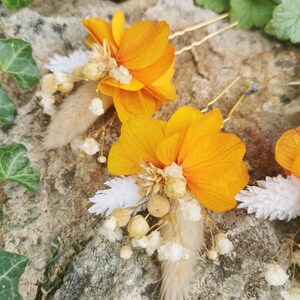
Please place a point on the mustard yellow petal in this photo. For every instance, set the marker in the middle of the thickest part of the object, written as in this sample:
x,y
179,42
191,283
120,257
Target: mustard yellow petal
x,y
134,84
287,151
212,156
118,26
158,69
143,44
167,150
138,141
219,194
129,104
163,93
90,40
101,30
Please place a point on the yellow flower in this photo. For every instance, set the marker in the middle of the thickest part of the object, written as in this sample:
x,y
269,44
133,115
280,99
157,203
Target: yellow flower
x,y
211,161
287,151
141,82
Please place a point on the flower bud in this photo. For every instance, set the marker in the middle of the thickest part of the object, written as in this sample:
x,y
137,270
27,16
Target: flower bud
x,y
101,159
158,206
126,252
122,215
212,254
49,84
65,87
175,188
92,70
138,227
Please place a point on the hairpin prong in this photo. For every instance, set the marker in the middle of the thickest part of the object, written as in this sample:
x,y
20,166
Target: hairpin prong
x,y
197,26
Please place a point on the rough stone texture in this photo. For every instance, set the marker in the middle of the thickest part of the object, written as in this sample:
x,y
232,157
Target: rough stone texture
x,y
32,221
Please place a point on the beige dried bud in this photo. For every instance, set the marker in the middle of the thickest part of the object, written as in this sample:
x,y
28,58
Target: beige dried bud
x,y
122,215
49,84
175,188
92,70
138,227
65,87
158,206
101,159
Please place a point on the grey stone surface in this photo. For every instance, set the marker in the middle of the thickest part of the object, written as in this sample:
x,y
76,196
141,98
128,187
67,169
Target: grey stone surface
x,y
32,221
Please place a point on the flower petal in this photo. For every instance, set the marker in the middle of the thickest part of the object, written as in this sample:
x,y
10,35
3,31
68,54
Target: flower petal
x,y
155,71
118,26
211,156
219,195
167,150
129,104
142,44
134,84
138,141
101,30
287,151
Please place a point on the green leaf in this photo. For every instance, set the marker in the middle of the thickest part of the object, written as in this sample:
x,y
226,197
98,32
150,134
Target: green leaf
x,y
16,60
251,13
7,108
15,167
285,23
16,4
216,5
12,266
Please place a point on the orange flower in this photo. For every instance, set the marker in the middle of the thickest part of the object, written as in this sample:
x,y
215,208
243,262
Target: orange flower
x,y
144,56
211,161
287,151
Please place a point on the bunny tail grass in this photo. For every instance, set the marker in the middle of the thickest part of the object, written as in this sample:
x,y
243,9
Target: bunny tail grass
x,y
176,276
74,116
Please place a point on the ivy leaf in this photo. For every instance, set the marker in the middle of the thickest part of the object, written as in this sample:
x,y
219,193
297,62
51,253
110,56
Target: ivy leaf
x,y
251,13
7,108
216,5
15,167
17,61
285,23
16,4
12,266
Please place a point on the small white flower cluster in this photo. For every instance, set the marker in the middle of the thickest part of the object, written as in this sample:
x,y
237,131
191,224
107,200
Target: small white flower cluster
x,y
110,230
221,245
96,107
121,74
276,275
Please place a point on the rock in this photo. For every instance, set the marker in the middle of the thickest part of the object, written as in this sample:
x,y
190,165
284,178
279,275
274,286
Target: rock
x,y
33,221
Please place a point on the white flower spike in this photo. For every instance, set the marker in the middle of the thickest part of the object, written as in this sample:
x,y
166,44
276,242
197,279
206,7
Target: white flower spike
x,y
123,192
274,198
67,64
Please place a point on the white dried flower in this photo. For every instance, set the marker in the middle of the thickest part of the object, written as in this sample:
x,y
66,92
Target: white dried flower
x,y
174,170
123,192
175,188
121,74
212,254
292,293
112,235
274,198
142,242
110,223
101,159
173,252
96,107
275,275
223,244
190,209
67,64
126,252
90,146
154,242
47,103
